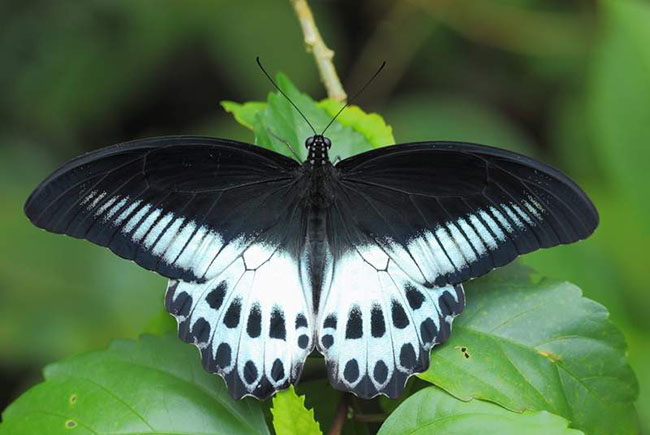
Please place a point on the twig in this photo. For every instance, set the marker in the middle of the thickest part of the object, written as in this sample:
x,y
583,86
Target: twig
x,y
322,54
341,415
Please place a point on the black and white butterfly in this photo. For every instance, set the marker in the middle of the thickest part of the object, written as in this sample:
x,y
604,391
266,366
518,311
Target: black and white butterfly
x,y
269,259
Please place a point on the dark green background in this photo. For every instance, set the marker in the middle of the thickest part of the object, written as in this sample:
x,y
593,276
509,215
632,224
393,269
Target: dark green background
x,y
565,81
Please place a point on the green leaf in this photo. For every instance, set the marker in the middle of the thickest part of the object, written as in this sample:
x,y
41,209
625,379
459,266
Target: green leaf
x,y
290,415
620,91
277,124
244,113
371,125
433,411
151,385
531,343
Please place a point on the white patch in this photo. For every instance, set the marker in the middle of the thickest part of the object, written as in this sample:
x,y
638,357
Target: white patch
x,y
275,285
108,216
494,227
474,238
357,288
533,206
457,243
374,256
404,260
523,215
462,243
157,230
144,226
257,254
513,217
179,242
451,248
170,236
200,250
135,219
213,266
106,205
127,212
483,232
430,256
96,199
502,220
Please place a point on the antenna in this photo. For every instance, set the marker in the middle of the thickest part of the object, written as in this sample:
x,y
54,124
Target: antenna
x,y
285,95
383,64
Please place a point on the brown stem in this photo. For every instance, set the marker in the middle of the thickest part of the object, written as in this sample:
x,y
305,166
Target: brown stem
x,y
322,54
341,415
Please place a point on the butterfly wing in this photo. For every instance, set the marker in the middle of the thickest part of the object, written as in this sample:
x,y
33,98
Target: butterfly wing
x,y
408,224
448,212
223,221
252,323
181,206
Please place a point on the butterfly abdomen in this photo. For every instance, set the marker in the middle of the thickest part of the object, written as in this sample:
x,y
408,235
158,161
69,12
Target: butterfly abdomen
x,y
317,247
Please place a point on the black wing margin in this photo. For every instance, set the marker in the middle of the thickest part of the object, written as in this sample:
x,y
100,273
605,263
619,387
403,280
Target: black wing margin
x,y
446,212
181,206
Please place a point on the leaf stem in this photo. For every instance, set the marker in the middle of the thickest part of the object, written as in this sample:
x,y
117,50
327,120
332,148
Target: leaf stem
x,y
322,54
341,415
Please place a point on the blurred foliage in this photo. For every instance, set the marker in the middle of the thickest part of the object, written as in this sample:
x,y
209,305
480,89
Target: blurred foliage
x,y
568,82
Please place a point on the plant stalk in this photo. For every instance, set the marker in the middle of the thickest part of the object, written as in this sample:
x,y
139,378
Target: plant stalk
x,y
322,54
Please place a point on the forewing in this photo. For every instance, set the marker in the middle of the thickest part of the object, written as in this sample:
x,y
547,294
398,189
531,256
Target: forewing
x,y
446,212
185,207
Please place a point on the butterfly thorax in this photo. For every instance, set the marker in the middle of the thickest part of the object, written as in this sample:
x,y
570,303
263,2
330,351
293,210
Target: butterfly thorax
x,y
317,147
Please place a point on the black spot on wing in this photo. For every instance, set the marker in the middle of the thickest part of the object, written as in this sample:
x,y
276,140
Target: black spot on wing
x,y
181,304
216,296
407,357
413,296
330,321
301,321
250,372
380,372
400,319
428,330
254,326
201,330
377,322
354,327
231,319
303,341
277,328
277,371
351,371
224,356
327,341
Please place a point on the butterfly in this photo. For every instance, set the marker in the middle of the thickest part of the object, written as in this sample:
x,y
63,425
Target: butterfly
x,y
269,258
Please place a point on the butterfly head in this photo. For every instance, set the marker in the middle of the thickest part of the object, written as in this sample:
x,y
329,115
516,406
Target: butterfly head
x,y
318,145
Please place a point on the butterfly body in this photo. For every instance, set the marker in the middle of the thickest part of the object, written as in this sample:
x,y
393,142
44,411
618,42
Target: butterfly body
x,y
270,259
